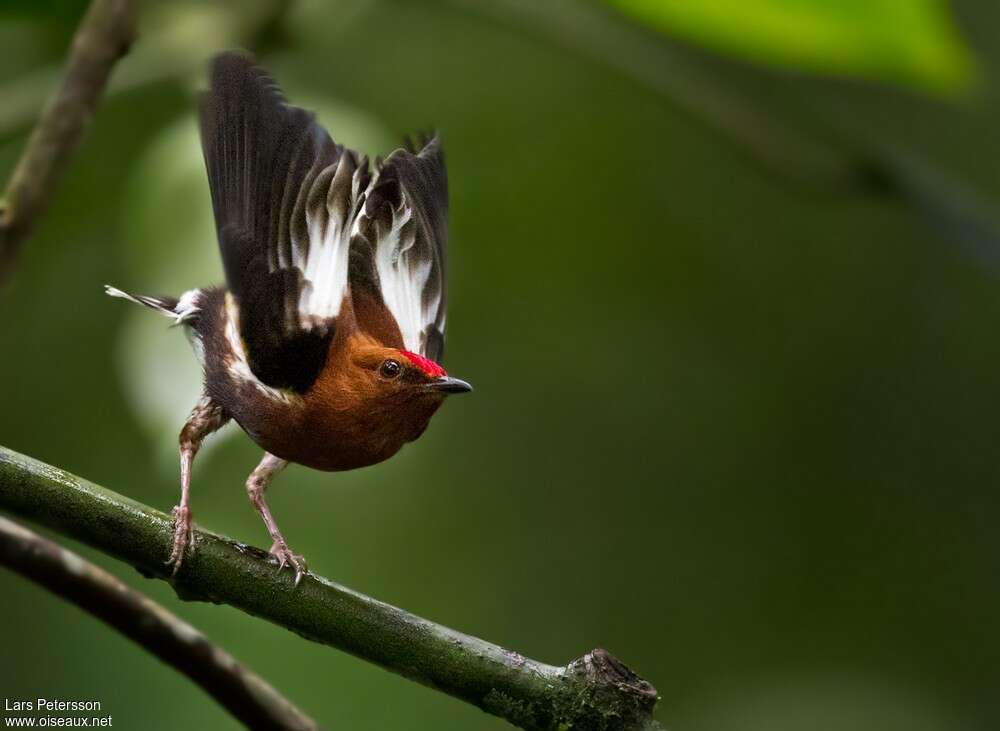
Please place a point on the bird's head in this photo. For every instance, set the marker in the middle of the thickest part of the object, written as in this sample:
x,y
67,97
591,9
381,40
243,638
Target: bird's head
x,y
380,395
394,392
395,371
395,378
375,398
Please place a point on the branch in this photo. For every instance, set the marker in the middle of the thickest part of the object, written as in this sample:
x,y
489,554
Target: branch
x,y
105,34
594,692
179,48
246,695
606,36
827,159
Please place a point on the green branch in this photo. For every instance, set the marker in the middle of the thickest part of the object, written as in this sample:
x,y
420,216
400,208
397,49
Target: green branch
x,y
594,692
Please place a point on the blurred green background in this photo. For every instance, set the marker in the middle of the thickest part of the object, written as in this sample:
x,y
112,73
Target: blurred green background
x,y
731,320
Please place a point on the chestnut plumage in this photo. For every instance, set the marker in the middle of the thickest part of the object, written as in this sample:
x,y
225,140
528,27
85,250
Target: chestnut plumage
x,y
325,344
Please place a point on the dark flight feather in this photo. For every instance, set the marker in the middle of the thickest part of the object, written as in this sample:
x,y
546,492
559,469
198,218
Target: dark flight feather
x,y
260,153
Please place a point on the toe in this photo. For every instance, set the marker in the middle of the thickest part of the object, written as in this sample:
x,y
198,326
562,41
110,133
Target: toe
x,y
182,537
300,568
285,557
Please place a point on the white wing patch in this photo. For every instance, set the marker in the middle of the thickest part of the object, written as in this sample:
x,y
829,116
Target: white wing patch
x,y
329,227
325,270
346,200
403,276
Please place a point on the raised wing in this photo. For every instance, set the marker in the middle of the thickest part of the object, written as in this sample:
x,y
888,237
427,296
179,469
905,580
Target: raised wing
x,y
285,198
398,254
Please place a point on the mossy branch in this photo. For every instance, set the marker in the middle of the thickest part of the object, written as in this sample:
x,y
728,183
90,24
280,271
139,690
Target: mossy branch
x,y
595,692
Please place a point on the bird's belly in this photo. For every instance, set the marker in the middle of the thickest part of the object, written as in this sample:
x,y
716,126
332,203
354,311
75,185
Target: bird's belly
x,y
327,446
328,457
308,432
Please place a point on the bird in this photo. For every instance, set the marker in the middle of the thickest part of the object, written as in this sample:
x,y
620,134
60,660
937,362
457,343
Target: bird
x,y
325,342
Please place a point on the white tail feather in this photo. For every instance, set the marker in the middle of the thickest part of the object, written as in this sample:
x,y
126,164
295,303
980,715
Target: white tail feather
x,y
179,311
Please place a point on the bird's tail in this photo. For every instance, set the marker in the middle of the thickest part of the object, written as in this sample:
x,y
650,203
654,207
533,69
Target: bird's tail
x,y
179,309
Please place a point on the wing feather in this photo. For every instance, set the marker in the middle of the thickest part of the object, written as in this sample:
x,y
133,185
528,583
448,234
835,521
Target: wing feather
x,y
401,241
303,221
281,192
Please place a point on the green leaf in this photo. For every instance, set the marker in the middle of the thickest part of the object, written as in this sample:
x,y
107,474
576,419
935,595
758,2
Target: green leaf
x,y
912,42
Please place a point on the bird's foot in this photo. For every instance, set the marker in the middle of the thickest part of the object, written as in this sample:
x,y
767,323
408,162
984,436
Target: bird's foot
x,y
182,537
281,551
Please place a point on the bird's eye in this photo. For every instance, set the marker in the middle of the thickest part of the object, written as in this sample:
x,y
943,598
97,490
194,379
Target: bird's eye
x,y
390,368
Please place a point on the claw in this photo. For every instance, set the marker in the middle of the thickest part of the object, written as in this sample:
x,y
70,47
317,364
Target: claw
x,y
285,557
182,538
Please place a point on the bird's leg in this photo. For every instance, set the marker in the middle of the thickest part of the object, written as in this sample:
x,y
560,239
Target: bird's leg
x,y
257,485
205,418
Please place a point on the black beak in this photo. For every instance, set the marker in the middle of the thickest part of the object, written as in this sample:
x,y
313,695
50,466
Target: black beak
x,y
447,384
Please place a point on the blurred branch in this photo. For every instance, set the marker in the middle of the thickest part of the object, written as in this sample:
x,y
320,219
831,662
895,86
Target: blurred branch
x,y
830,163
104,35
180,40
594,692
957,214
243,693
592,30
